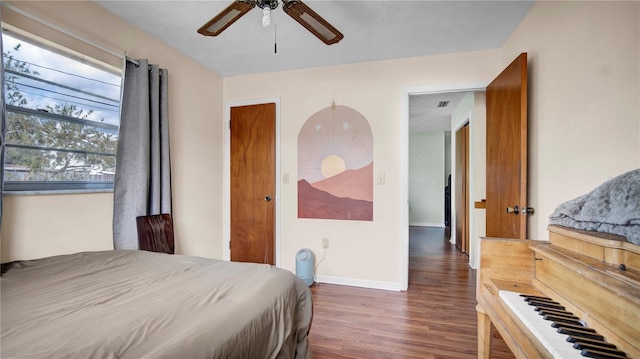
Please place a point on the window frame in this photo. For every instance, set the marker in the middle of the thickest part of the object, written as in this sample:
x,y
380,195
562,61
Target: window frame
x,y
61,186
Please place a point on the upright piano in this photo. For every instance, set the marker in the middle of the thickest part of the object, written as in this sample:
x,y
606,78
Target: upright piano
x,y
574,296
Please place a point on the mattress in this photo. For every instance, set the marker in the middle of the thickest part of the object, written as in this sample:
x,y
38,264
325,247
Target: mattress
x,y
138,304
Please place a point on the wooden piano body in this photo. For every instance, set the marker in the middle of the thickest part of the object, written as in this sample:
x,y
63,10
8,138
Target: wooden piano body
x,y
596,276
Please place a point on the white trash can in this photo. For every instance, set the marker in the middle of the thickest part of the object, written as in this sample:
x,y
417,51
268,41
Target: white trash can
x,y
304,266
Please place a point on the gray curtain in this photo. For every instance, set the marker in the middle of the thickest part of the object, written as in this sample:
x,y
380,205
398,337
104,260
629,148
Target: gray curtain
x,y
2,128
142,184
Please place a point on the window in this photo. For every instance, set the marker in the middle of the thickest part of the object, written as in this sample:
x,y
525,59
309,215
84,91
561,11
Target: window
x,y
62,118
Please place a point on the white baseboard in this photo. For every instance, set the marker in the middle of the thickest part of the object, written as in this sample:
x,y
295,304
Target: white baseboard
x,y
354,282
473,265
422,224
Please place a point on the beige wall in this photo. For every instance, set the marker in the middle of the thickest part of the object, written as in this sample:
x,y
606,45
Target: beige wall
x,y
41,226
584,108
426,178
366,253
36,226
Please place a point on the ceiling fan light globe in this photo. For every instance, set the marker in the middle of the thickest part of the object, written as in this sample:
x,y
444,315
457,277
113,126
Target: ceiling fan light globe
x,y
266,17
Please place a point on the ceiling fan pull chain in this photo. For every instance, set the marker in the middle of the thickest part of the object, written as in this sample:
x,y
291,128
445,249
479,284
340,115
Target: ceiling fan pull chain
x,y
275,38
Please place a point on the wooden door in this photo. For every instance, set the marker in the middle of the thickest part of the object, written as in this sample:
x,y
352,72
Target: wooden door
x,y
252,183
507,152
462,189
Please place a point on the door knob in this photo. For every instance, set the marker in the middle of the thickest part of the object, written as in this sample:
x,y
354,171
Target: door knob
x,y
514,210
267,198
527,210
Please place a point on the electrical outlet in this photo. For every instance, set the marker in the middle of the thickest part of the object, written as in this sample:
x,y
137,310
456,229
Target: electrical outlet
x,y
325,243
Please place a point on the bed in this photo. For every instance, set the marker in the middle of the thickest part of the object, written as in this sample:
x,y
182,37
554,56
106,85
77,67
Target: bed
x,y
139,304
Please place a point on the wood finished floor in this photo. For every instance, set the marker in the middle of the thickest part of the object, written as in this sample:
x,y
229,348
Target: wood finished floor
x,y
435,318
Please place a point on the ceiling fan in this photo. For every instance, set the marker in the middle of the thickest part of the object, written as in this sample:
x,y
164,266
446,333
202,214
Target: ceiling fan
x,y
298,10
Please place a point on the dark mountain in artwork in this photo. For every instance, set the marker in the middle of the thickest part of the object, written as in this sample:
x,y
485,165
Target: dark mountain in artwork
x,y
314,203
354,184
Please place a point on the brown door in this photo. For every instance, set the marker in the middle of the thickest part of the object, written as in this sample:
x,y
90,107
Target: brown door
x,y
462,189
507,152
253,183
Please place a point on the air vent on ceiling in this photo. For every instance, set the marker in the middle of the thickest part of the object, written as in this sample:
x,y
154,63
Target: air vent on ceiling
x,y
443,103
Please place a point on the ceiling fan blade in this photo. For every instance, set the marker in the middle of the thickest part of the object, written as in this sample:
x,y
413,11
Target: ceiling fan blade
x,y
226,17
313,22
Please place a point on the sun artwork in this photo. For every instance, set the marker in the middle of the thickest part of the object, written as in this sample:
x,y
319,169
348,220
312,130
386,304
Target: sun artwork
x,y
335,166
332,165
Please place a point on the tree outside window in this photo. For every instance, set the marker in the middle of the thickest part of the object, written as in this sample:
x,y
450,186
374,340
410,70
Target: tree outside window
x,y
62,119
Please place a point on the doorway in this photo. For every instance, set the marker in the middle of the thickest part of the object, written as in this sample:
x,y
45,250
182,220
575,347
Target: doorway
x,y
252,182
269,201
404,183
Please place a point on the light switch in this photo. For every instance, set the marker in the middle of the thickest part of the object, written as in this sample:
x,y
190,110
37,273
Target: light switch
x,y
285,178
380,178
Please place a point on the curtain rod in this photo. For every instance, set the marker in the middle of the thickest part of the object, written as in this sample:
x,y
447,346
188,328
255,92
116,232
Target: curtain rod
x,y
121,55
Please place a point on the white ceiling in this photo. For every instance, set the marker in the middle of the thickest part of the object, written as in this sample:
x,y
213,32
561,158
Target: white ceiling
x,y
425,115
373,30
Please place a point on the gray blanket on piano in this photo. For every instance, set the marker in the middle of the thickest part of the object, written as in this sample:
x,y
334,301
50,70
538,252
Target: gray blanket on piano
x,y
613,207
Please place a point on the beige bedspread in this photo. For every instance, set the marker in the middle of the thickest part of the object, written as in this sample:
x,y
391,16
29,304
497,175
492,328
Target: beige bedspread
x,y
137,304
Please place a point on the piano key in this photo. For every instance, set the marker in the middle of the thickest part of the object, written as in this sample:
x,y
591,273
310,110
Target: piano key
x,y
528,297
569,326
549,303
543,311
577,338
558,319
541,300
538,304
578,344
554,342
589,353
580,334
599,349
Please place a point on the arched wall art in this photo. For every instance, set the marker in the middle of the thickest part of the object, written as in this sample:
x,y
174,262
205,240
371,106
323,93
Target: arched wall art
x,y
335,166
